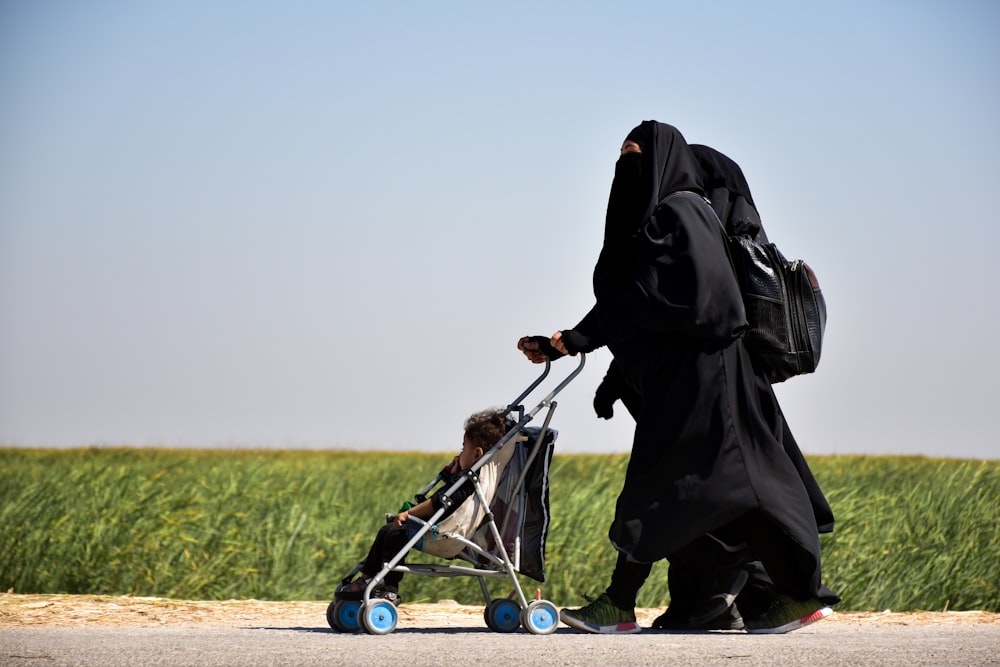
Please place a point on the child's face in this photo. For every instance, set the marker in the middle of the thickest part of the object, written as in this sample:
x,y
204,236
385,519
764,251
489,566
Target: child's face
x,y
470,454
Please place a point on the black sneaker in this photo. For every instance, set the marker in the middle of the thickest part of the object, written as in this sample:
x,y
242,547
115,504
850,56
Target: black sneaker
x,y
673,618
387,593
710,607
351,590
729,619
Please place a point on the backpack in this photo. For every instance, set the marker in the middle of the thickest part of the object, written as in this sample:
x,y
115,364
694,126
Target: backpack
x,y
785,308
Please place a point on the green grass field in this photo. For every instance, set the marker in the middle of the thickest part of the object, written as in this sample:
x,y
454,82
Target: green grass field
x,y
912,533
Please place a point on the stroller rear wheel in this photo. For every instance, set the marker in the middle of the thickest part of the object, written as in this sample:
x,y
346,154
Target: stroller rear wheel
x,y
503,615
342,615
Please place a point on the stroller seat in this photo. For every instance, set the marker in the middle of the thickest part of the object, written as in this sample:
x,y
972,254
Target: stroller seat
x,y
521,507
445,539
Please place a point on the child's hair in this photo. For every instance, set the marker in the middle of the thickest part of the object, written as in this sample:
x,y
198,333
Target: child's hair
x,y
486,428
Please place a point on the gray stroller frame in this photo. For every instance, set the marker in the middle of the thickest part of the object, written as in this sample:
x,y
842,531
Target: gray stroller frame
x,y
379,616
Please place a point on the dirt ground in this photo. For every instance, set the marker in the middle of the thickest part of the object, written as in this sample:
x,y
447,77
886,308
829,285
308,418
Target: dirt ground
x,y
103,610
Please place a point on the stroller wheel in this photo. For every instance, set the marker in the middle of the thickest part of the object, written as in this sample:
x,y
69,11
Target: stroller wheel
x,y
540,617
503,615
342,615
488,618
378,617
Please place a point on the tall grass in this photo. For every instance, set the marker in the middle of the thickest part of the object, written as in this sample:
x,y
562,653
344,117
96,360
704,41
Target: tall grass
x,y
911,534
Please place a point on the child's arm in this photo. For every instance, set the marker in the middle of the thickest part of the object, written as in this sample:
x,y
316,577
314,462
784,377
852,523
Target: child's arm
x,y
424,510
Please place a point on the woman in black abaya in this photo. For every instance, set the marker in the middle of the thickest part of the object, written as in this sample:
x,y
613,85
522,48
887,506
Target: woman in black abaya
x,y
705,459
701,599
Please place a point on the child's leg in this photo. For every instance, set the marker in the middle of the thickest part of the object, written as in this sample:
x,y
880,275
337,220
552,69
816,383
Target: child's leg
x,y
389,540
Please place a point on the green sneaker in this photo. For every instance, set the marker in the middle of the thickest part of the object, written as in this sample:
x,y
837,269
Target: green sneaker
x,y
787,614
601,617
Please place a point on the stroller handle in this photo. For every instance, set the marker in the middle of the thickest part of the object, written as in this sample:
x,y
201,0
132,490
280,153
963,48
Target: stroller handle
x,y
545,372
524,419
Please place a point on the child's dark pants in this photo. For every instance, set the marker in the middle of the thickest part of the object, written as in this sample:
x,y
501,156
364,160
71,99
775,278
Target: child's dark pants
x,y
389,540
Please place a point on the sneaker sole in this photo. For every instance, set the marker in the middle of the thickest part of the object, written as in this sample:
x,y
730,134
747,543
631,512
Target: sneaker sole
x,y
817,615
627,628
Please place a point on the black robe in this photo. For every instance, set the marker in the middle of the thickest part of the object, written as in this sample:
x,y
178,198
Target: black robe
x,y
707,456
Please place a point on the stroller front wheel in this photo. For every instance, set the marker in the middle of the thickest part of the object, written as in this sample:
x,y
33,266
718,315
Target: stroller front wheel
x,y
378,617
540,617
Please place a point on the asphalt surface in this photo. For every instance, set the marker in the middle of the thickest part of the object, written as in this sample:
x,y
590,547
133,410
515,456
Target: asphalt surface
x,y
821,644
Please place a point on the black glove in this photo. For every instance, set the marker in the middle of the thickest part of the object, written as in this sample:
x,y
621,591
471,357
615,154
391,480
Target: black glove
x,y
575,342
545,347
604,401
609,391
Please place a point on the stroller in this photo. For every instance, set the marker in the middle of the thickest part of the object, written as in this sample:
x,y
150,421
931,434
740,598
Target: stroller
x,y
499,531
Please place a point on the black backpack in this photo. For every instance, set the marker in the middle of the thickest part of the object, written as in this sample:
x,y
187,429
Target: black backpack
x,y
785,308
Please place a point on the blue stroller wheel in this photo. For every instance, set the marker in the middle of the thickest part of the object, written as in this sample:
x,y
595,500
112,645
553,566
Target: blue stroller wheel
x,y
342,615
379,617
540,617
488,618
503,615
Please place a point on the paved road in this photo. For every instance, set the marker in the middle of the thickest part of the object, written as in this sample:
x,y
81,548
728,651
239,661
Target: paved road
x,y
824,644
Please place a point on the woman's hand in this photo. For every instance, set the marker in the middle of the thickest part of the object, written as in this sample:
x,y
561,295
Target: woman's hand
x,y
532,350
570,341
402,517
557,342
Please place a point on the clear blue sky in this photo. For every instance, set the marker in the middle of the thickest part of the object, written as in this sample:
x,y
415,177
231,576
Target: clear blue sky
x,y
325,224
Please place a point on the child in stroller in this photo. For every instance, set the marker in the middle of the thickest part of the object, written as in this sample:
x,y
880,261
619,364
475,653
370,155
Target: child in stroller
x,y
490,518
482,430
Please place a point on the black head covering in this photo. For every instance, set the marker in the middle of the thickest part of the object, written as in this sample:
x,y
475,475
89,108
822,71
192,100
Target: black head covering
x,y
641,181
726,187
670,164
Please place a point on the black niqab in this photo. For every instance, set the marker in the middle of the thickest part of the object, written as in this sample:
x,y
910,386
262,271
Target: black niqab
x,y
642,180
670,164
